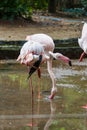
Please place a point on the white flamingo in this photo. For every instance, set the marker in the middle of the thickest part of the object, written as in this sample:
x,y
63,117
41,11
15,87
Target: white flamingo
x,y
38,49
83,41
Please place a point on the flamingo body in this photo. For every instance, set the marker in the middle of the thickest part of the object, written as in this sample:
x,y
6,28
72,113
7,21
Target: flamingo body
x,y
45,40
38,45
82,41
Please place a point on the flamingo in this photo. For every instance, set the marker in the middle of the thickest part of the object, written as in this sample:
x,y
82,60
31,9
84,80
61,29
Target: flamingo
x,y
38,49
83,41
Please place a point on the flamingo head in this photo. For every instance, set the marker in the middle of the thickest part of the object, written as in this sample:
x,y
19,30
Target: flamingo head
x,y
33,61
61,57
65,59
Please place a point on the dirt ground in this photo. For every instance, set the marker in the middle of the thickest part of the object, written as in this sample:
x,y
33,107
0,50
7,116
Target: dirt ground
x,y
61,28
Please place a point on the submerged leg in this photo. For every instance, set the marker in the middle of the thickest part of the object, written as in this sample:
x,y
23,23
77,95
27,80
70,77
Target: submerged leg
x,y
52,76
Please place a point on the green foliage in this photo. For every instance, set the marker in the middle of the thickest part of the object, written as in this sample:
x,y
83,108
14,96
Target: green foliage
x,y
80,10
84,3
11,9
40,4
76,12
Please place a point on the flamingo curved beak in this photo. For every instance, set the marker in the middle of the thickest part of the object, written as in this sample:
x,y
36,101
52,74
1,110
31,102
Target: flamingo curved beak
x,y
65,59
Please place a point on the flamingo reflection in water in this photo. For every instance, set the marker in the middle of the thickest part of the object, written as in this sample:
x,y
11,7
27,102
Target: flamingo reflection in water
x,y
37,50
52,115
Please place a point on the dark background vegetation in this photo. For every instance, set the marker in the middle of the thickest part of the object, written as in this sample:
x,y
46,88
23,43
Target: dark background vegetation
x,y
13,9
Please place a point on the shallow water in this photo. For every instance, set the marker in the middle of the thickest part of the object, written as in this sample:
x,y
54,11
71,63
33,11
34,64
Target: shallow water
x,y
20,109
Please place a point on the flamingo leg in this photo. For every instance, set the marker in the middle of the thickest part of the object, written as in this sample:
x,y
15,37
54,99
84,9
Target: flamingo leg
x,y
81,57
39,72
52,76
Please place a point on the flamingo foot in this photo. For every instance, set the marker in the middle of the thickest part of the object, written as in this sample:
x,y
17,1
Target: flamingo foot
x,y
51,96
